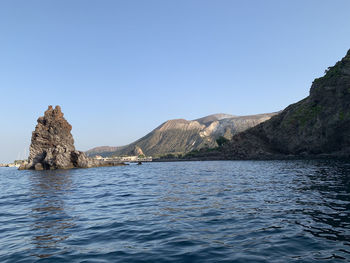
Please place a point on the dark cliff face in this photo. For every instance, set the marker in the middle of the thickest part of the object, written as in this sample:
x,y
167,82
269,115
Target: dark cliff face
x,y
319,124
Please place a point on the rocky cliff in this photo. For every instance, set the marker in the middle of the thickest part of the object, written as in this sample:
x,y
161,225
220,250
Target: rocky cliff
x,y
315,126
180,136
52,145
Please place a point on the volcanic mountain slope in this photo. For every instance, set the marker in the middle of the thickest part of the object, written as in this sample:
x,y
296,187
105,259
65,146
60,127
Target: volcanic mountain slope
x,y
316,125
102,150
180,136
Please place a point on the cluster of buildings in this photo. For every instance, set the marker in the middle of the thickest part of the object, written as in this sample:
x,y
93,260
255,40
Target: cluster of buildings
x,y
16,163
9,165
125,158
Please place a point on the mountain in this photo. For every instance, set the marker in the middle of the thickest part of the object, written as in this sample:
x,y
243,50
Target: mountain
x,y
102,150
180,135
214,117
318,125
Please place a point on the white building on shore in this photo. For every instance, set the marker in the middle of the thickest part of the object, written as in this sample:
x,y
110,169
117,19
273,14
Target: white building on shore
x,y
125,159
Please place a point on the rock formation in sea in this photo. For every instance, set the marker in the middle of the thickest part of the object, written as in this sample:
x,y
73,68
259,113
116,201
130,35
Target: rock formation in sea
x,y
52,145
318,125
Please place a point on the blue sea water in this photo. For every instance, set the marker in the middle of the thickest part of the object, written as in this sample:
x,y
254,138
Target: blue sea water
x,y
218,211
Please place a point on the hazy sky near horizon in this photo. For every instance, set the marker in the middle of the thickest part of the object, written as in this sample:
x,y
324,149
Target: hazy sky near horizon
x,y
118,69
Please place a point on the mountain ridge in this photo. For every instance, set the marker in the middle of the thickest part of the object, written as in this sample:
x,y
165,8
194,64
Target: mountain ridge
x,y
181,136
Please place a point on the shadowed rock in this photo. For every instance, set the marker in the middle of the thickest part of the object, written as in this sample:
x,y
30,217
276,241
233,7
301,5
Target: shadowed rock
x,y
318,125
52,145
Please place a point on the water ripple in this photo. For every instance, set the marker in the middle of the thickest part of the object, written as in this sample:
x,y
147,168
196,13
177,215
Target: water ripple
x,y
233,211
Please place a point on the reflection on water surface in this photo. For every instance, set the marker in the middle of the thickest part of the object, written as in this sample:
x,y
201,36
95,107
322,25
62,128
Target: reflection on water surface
x,y
50,216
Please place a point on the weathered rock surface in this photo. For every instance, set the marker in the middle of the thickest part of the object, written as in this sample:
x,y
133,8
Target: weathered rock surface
x,y
52,145
318,125
180,136
137,151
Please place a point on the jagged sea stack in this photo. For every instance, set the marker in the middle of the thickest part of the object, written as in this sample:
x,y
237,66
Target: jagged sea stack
x,y
52,145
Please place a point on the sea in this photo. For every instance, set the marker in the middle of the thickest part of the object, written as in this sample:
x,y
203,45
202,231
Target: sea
x,y
205,211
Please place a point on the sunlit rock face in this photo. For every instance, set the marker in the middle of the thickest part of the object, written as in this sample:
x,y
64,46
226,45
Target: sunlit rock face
x,y
181,136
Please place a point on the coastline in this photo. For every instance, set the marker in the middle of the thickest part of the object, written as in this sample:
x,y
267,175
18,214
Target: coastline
x,y
341,157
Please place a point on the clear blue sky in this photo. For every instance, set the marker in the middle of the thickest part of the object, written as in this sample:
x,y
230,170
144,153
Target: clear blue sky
x,y
120,68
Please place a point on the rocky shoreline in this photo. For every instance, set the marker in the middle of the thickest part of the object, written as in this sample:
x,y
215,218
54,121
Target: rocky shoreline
x,y
280,157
